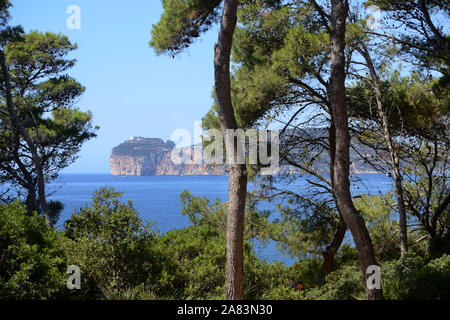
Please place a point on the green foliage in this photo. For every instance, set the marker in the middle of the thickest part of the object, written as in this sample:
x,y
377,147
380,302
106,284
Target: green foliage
x,y
262,280
412,101
261,31
271,50
142,146
37,64
113,247
181,22
55,208
141,292
268,281
343,284
306,228
121,258
379,214
423,36
201,211
412,277
309,272
4,13
200,255
199,252
40,51
7,32
441,244
347,256
44,98
32,256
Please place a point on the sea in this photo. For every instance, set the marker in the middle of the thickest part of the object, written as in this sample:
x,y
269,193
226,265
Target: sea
x,y
157,198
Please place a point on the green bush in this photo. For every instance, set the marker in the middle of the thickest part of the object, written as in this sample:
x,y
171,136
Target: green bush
x,y
112,246
264,280
412,277
345,283
199,253
198,256
346,256
141,292
272,281
309,272
32,258
121,257
276,276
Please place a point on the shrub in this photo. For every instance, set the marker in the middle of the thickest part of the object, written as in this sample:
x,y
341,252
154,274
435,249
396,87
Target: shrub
x,y
112,246
270,281
309,272
141,292
412,277
343,284
32,259
198,256
199,253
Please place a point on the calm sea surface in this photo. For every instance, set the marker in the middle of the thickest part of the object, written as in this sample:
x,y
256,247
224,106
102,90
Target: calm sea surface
x,y
157,198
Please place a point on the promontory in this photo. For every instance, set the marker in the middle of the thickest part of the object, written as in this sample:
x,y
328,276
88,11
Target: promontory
x,y
152,157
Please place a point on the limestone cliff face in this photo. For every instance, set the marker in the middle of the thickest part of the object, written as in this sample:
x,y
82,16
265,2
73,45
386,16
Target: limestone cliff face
x,y
152,156
191,165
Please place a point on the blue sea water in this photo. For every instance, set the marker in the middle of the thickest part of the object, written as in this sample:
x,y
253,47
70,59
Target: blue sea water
x,y
157,197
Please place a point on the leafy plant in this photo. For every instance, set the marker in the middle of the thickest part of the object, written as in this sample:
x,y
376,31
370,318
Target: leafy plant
x,y
32,256
113,247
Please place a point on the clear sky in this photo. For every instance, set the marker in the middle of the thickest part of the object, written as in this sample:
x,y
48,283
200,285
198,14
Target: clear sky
x,y
129,89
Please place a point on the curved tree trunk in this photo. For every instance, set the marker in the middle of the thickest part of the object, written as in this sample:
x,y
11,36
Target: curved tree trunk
x,y
238,172
330,252
33,149
341,170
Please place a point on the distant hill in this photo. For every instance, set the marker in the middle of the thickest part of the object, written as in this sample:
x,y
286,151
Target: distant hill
x,y
152,156
137,146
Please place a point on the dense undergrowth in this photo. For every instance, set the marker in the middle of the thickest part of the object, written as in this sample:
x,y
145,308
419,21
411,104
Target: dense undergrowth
x,y
123,257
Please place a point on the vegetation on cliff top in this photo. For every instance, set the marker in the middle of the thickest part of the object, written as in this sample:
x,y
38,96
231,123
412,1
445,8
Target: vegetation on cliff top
x,y
142,147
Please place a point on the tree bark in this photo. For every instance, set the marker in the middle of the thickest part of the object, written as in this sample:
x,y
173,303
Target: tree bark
x,y
330,252
341,170
238,172
31,201
332,249
33,149
394,159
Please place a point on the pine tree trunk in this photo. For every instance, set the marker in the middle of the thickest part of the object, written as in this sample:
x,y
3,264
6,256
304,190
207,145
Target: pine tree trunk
x,y
352,218
33,149
31,201
330,252
394,159
235,233
332,249
238,172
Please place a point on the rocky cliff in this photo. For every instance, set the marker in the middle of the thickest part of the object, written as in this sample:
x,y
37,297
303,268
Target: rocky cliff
x,y
190,166
152,156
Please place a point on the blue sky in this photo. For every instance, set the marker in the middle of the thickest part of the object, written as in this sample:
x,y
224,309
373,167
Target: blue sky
x,y
129,89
